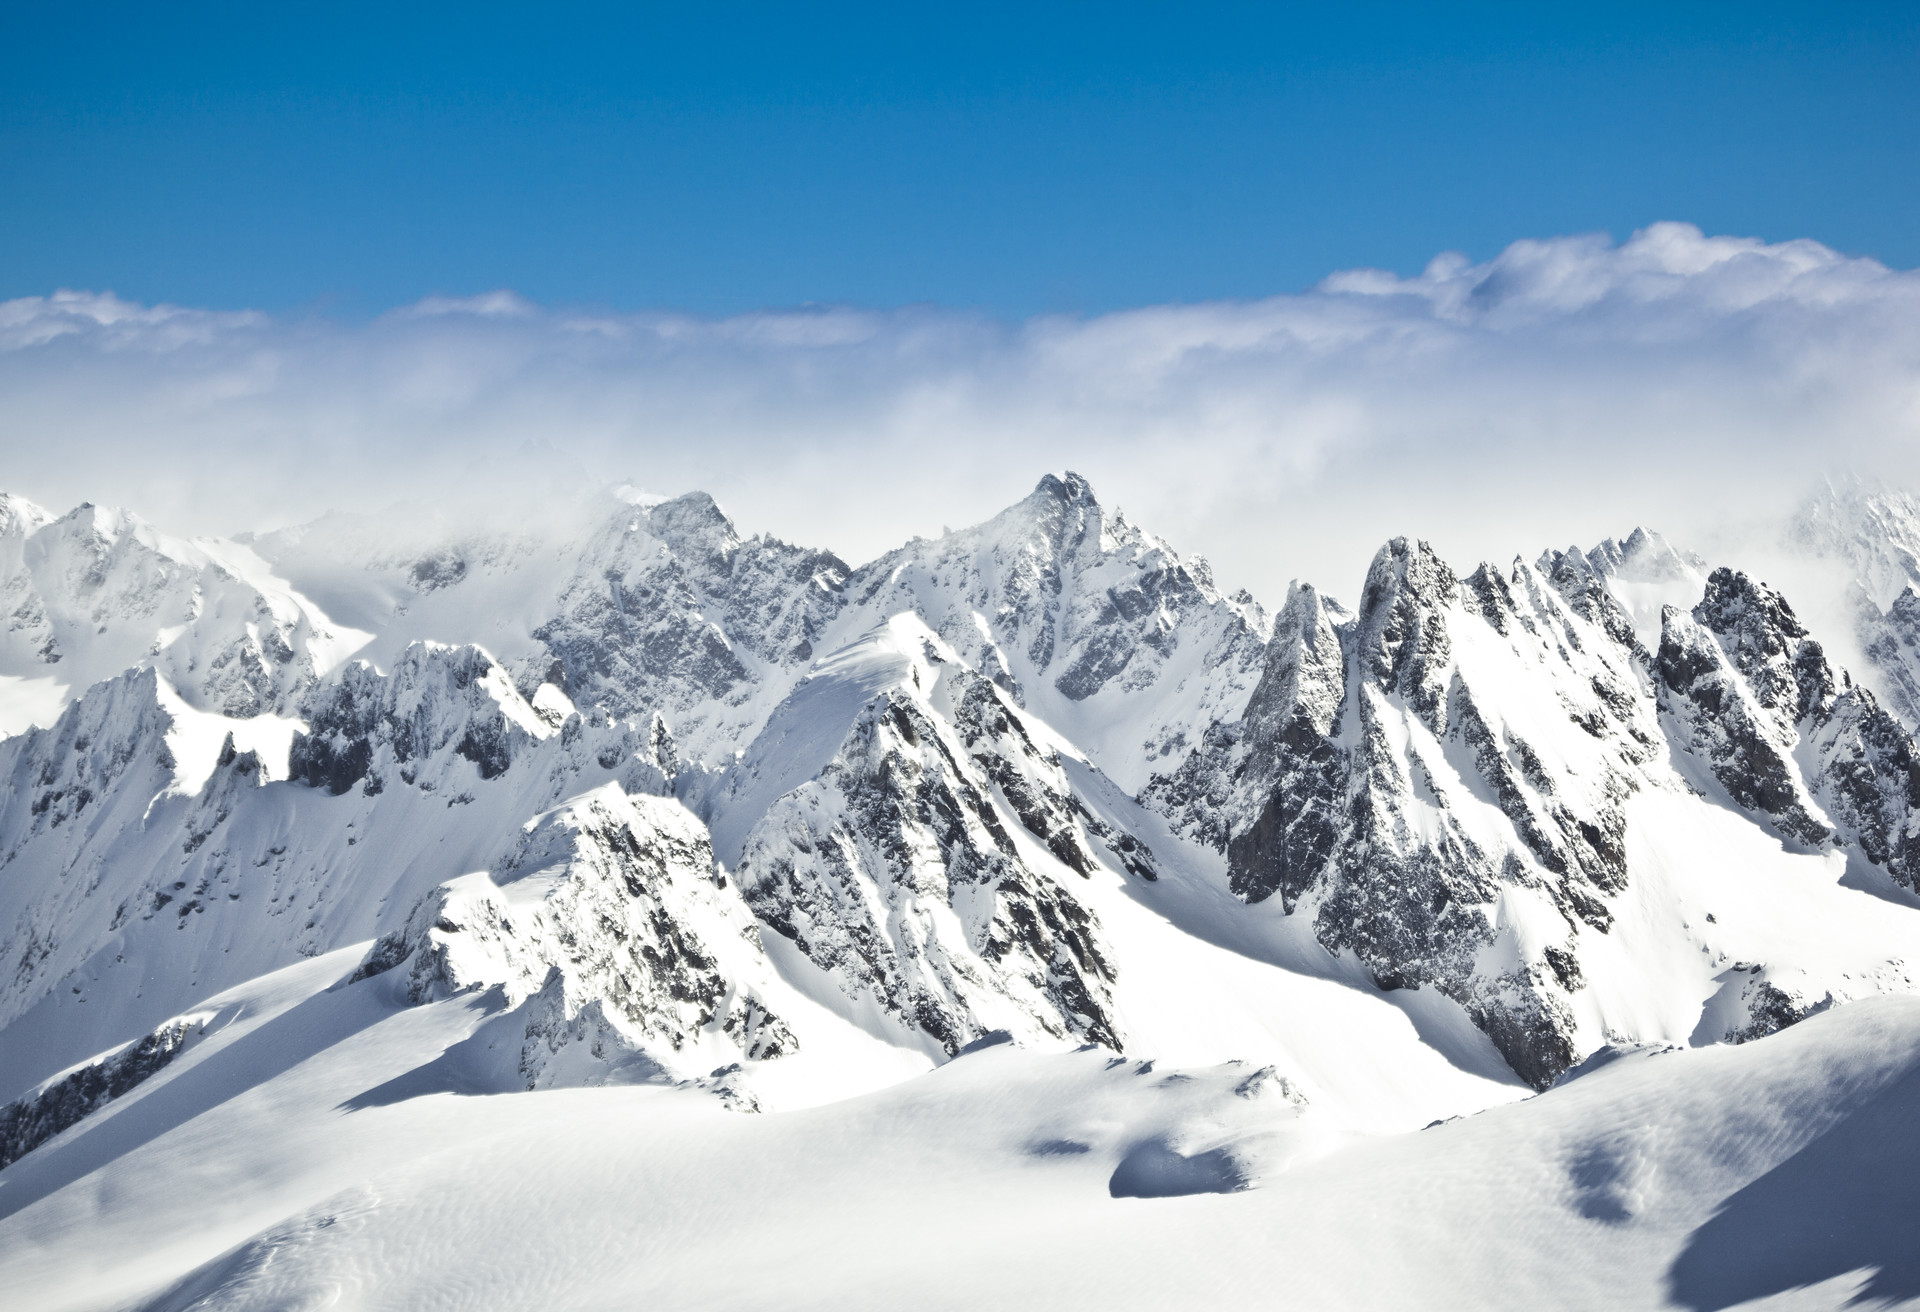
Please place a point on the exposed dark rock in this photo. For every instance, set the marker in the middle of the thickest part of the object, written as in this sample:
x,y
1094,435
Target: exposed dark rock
x,y
673,599
901,820
1752,694
438,699
28,1122
1340,788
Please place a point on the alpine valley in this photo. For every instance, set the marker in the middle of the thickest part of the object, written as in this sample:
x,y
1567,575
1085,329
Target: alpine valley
x,y
397,913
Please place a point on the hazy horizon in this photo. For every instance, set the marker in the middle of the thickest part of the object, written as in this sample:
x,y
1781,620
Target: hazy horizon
x,y
1562,392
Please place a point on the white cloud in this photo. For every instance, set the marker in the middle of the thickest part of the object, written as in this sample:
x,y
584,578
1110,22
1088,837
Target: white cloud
x,y
1560,391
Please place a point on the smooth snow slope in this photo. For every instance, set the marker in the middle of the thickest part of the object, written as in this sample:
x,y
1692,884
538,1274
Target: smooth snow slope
x,y
310,1162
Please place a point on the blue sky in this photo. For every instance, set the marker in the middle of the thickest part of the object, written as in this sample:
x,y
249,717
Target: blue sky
x,y
345,159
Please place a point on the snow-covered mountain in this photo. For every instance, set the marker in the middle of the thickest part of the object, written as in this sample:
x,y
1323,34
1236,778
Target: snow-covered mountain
x,y
95,591
381,812
1477,784
1869,537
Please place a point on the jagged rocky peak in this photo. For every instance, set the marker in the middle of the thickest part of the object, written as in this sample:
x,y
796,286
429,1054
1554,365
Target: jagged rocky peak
x,y
668,609
1786,669
1305,677
1402,637
657,605
1905,610
20,517
1624,584
1097,626
1585,588
1871,528
1290,725
1752,695
437,700
1028,773
1744,731
95,591
142,866
450,717
1871,534
81,766
750,577
663,606
697,531
1288,751
925,865
1891,645
625,951
99,813
1645,556
1437,781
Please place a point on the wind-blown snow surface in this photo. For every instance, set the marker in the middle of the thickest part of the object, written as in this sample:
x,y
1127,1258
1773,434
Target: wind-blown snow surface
x,y
405,916
303,1159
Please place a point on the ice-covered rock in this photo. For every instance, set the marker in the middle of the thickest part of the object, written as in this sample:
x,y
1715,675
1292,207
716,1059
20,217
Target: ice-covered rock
x,y
1641,574
1891,642
668,609
1873,529
919,774
365,725
664,607
611,923
1752,694
895,863
1869,536
154,853
1089,622
1437,783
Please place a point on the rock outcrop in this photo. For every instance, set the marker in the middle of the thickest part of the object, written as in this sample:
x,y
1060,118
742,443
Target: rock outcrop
x,y
611,928
926,866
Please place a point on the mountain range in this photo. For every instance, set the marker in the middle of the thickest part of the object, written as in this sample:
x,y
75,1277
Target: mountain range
x,y
400,912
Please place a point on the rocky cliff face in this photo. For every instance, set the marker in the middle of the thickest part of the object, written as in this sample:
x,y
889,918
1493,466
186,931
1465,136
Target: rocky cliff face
x,y
612,930
921,868
1891,642
30,1121
1751,693
1440,781
1085,620
1872,529
146,865
671,611
665,608
442,705
1436,781
1869,537
1640,575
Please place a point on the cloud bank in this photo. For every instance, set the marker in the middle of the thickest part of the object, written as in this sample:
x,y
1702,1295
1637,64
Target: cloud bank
x,y
1562,391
